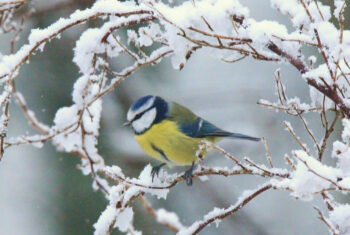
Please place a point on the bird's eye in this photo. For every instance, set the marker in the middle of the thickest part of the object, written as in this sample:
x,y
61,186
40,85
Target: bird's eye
x,y
138,115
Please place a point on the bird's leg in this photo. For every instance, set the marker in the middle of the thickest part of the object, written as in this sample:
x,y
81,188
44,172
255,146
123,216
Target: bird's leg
x,y
156,169
188,175
200,160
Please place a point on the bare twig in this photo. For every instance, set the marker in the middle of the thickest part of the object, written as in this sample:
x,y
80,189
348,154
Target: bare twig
x,y
308,130
289,161
153,213
326,221
328,132
199,226
268,155
291,131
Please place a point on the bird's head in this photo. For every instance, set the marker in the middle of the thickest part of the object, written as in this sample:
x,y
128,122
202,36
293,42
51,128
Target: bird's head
x,y
145,112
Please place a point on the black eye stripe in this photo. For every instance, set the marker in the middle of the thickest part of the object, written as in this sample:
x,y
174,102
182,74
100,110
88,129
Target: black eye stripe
x,y
140,114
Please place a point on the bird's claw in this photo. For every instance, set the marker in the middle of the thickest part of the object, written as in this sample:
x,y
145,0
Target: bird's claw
x,y
155,170
189,175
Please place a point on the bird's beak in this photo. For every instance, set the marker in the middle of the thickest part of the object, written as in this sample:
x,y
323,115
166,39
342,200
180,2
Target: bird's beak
x,y
126,123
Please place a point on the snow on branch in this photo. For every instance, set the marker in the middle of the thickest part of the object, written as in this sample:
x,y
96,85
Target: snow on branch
x,y
217,214
156,30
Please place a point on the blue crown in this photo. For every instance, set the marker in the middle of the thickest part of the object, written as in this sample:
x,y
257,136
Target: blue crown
x,y
137,104
160,104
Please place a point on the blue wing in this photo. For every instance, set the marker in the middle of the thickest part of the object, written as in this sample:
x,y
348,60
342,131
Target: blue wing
x,y
196,127
201,128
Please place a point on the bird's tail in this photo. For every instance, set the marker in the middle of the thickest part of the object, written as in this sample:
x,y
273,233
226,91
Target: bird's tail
x,y
237,135
241,136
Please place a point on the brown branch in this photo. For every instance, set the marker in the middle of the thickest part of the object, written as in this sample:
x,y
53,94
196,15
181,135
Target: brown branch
x,y
328,201
202,172
234,60
291,131
4,127
289,108
188,55
153,213
268,154
308,130
35,46
226,154
318,9
219,36
301,66
310,43
231,210
326,136
88,157
125,49
129,23
13,2
32,120
323,53
127,72
306,10
54,34
326,221
289,161
321,176
70,5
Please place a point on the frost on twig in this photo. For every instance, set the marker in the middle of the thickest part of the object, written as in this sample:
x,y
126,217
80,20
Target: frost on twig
x,y
217,214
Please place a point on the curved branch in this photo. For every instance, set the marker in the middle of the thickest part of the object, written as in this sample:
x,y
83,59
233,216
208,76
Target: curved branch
x,y
54,30
301,66
212,216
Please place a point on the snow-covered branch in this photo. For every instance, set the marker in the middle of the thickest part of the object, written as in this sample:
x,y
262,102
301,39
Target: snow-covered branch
x,y
217,214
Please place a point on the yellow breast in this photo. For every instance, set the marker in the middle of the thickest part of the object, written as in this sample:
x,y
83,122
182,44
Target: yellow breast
x,y
165,142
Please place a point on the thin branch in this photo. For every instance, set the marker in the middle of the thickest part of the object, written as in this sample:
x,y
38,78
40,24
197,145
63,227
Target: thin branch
x,y
289,161
30,115
268,155
153,213
291,131
13,2
301,66
321,176
326,221
326,136
308,130
210,218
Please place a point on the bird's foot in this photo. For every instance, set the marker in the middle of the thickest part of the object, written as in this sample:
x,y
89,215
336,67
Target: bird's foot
x,y
156,169
189,175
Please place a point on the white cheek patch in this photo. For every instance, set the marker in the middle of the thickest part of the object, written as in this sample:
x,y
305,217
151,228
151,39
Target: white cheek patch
x,y
132,113
144,122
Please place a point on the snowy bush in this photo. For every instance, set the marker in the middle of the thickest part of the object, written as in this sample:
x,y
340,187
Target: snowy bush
x,y
176,31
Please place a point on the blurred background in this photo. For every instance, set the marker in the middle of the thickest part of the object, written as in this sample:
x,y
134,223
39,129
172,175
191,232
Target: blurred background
x,y
42,191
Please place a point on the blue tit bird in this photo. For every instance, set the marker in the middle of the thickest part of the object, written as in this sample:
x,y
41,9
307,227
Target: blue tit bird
x,y
171,133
